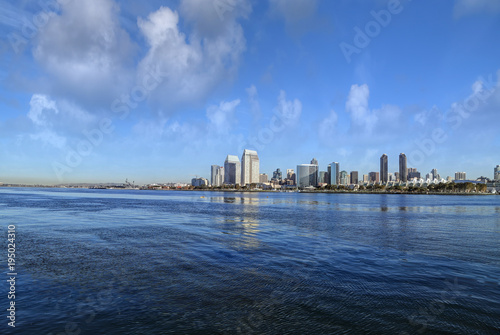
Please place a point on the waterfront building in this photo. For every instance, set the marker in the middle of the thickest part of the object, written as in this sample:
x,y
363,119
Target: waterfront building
x,y
322,177
365,178
373,177
232,170
460,176
354,177
249,167
384,169
344,178
277,175
307,175
413,173
497,173
290,175
217,176
334,173
396,176
196,182
403,169
263,178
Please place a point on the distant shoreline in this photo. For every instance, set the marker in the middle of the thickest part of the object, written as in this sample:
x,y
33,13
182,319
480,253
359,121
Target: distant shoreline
x,y
258,191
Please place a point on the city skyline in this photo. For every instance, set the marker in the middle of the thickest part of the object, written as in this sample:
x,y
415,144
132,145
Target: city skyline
x,y
101,91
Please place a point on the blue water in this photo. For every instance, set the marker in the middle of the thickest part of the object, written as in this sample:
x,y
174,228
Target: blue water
x,y
157,262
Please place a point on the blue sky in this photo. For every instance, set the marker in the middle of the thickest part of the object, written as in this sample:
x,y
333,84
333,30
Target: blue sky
x,y
104,90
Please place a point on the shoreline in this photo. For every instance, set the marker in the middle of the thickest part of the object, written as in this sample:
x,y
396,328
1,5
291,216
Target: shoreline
x,y
261,191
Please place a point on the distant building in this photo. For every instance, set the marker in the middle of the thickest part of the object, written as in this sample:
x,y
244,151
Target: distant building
x,y
314,161
197,182
365,178
460,176
354,177
403,171
396,176
435,175
290,176
497,173
344,178
232,170
384,169
277,175
373,177
414,174
334,173
307,175
249,167
263,178
322,177
217,175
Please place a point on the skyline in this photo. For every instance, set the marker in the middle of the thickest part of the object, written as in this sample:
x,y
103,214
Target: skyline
x,y
101,91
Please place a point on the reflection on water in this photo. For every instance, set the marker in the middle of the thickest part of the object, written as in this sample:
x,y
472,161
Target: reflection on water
x,y
225,263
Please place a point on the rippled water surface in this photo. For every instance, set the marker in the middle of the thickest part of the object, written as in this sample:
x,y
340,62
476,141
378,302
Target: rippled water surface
x,y
145,262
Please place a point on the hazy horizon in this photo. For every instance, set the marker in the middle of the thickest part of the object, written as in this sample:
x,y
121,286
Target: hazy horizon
x,y
103,91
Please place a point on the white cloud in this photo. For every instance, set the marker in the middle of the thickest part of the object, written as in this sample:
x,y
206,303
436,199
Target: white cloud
x,y
357,106
469,7
192,67
221,117
290,111
49,137
327,127
40,105
254,102
85,50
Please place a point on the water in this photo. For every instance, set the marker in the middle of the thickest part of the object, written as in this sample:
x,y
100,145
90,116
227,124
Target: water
x,y
146,262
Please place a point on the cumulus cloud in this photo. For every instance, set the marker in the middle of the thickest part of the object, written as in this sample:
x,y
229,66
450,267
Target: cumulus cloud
x,y
288,110
221,118
327,126
469,7
191,66
85,52
40,105
254,102
357,106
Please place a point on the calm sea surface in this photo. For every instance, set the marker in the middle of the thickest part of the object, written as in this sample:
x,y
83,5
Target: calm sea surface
x,y
146,262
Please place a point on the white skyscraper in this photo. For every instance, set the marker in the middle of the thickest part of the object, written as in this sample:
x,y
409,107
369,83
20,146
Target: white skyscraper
x,y
250,167
497,173
232,170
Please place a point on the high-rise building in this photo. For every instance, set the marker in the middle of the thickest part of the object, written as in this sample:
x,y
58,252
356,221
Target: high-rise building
x,y
249,167
365,178
334,173
307,175
314,161
277,175
344,178
435,175
217,176
290,175
403,169
373,177
322,177
460,176
497,173
413,173
384,169
354,177
396,176
232,170
263,178
213,175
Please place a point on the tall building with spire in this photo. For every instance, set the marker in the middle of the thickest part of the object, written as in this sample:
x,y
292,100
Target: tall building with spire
x,y
403,168
232,170
384,169
250,167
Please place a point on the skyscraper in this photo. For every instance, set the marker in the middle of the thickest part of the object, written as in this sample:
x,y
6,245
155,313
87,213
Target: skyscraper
x,y
460,176
354,177
334,173
249,167
344,178
373,177
217,176
497,173
232,170
403,170
307,175
314,162
384,169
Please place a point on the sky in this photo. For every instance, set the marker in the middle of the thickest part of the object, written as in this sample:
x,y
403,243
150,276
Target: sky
x,y
158,91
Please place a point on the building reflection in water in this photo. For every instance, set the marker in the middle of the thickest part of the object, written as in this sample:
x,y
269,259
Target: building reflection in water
x,y
241,220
